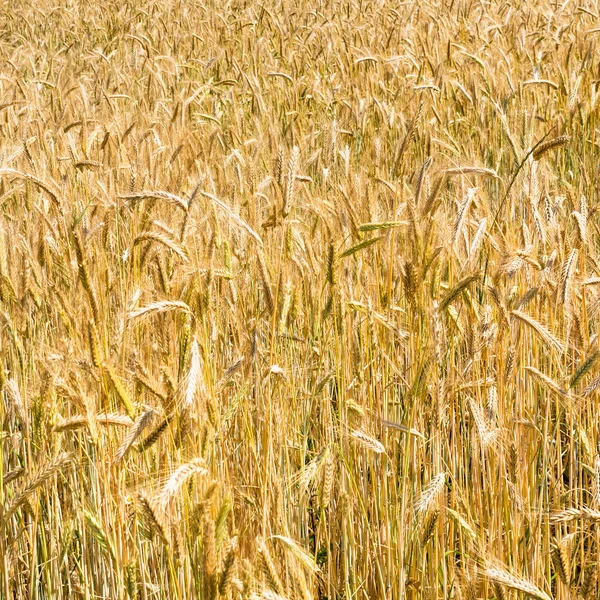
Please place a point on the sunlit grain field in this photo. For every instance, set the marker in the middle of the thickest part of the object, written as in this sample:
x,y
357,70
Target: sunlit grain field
x,y
299,300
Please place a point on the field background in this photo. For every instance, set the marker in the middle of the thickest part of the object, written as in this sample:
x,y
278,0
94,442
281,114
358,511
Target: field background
x,y
299,300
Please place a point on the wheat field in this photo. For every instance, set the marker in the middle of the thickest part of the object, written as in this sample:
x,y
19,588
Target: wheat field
x,y
299,300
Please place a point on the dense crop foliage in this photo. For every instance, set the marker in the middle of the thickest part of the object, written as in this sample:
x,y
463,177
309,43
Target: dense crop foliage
x,y
299,300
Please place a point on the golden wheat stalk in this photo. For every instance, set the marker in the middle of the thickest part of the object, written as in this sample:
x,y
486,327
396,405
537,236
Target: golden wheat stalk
x,y
157,195
567,275
290,181
154,521
227,572
234,217
462,213
503,577
192,380
544,334
367,441
266,283
268,567
106,419
120,389
430,493
581,217
161,238
158,308
306,476
478,239
548,145
50,189
546,381
176,481
134,432
575,514
470,170
456,290
561,561
36,480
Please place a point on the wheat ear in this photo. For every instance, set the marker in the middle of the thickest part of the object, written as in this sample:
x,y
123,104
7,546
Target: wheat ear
x,y
38,479
507,579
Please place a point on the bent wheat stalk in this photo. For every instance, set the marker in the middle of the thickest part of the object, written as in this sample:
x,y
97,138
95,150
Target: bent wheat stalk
x,y
502,577
38,479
